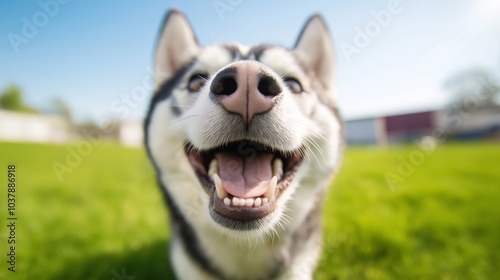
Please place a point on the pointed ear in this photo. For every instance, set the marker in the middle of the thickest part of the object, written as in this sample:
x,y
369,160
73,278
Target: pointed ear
x,y
176,46
314,48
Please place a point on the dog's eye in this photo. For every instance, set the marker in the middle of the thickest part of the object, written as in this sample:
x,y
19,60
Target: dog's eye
x,y
196,82
293,85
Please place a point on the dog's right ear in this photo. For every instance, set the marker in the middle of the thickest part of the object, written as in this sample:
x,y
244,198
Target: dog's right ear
x,y
176,46
315,50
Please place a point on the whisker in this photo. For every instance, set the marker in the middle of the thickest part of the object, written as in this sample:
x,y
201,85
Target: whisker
x,y
319,135
182,106
318,148
312,152
181,119
284,75
202,77
182,143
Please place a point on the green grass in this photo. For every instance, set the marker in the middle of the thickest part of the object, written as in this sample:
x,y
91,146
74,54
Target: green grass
x,y
442,222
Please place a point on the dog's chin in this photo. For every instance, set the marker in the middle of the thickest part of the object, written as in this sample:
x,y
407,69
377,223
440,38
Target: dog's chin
x,y
244,185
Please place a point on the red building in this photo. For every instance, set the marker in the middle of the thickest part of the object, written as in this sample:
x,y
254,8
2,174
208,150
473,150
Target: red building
x,y
406,127
481,123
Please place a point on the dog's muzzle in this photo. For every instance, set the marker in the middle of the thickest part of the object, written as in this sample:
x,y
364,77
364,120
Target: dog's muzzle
x,y
244,178
246,88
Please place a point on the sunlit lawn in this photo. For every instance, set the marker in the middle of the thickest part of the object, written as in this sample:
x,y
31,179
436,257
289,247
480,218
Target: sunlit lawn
x,y
106,218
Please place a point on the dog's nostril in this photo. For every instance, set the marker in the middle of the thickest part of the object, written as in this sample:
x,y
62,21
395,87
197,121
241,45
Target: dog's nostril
x,y
224,83
268,86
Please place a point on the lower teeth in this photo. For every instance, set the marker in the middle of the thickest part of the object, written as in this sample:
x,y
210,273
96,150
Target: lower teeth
x,y
249,202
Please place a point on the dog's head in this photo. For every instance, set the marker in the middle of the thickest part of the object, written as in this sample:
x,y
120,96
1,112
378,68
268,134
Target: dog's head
x,y
243,138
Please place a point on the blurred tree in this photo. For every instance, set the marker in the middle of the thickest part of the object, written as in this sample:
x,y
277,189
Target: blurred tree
x,y
475,92
62,108
479,83
88,125
11,99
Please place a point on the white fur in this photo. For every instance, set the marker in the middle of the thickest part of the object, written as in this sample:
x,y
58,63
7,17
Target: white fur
x,y
169,57
297,120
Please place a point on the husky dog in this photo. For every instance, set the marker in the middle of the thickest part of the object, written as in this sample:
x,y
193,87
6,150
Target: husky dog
x,y
245,141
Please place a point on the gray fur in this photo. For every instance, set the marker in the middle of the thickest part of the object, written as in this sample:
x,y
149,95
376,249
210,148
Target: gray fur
x,y
286,243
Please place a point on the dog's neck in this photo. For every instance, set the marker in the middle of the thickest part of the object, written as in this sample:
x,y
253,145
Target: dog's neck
x,y
221,256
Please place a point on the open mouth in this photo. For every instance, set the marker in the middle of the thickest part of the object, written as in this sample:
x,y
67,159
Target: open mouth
x,y
243,179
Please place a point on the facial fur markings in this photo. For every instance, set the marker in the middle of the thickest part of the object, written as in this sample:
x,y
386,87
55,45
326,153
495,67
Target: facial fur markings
x,y
208,245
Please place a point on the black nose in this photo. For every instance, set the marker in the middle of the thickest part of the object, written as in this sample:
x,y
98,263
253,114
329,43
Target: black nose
x,y
224,83
268,85
246,88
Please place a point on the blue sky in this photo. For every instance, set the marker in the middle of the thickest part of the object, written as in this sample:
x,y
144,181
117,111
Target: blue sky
x,y
92,53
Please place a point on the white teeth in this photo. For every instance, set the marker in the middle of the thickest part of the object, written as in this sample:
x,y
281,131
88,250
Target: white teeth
x,y
278,167
272,187
257,202
221,192
249,202
236,201
213,168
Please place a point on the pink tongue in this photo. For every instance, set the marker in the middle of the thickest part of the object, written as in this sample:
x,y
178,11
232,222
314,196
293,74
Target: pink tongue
x,y
245,177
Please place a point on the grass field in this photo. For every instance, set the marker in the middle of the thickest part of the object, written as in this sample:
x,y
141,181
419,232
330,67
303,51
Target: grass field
x,y
106,218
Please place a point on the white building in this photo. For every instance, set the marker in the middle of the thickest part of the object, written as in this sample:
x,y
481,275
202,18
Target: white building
x,y
131,133
22,127
369,131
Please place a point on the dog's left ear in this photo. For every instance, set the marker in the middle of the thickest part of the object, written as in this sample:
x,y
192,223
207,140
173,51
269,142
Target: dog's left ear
x,y
314,48
176,46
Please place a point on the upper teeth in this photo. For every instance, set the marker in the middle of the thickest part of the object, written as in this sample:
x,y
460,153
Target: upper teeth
x,y
277,168
221,192
248,202
271,188
213,168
